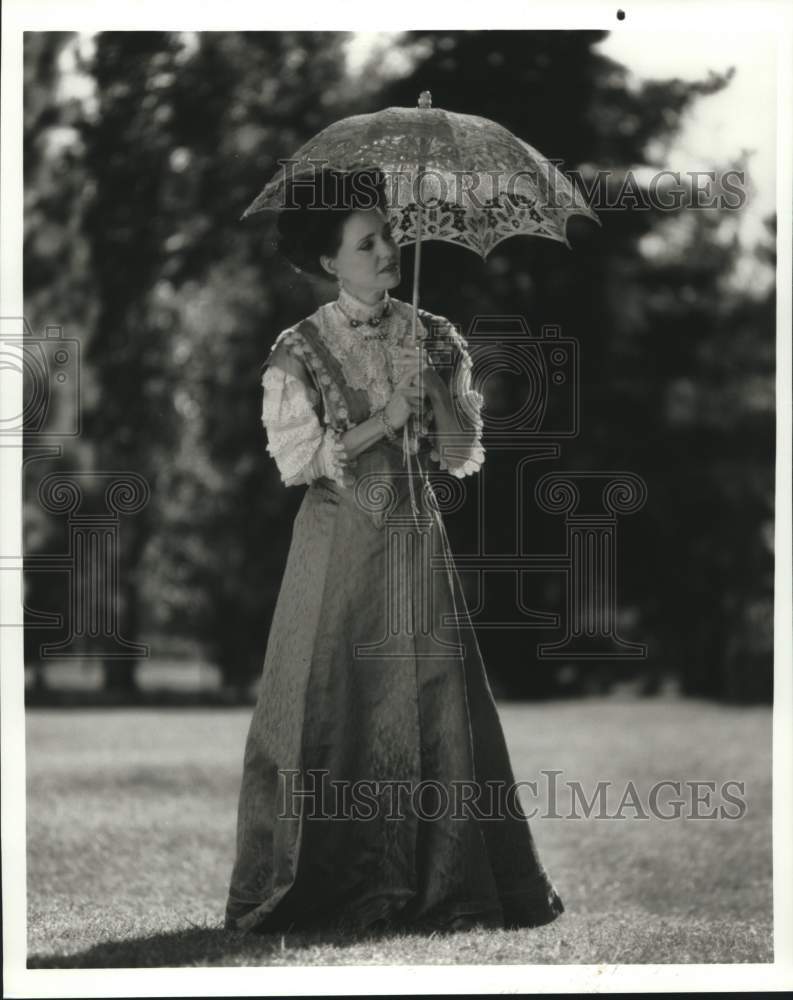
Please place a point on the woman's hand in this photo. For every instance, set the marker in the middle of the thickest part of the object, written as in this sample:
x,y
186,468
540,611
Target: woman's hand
x,y
415,363
405,401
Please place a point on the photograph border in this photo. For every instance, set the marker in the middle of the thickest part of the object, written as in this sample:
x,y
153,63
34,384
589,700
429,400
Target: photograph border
x,y
646,16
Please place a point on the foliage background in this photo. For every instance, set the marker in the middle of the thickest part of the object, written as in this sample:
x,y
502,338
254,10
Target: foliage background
x,y
133,192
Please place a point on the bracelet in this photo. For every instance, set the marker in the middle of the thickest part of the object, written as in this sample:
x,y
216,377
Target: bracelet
x,y
390,430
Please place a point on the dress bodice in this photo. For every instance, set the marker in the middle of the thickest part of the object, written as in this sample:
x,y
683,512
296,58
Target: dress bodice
x,y
337,368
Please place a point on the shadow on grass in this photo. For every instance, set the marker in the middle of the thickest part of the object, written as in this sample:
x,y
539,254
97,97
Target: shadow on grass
x,y
202,946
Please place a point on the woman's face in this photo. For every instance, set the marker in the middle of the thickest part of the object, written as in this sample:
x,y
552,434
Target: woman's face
x,y
367,261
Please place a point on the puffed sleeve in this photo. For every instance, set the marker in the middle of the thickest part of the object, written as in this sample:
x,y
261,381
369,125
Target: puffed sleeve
x,y
302,448
456,372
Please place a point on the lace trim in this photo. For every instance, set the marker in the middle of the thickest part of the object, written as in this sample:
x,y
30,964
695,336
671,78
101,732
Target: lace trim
x,y
305,353
368,364
452,457
361,311
301,448
332,460
473,463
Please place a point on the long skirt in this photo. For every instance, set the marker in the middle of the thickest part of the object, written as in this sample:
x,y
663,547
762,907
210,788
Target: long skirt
x,y
377,789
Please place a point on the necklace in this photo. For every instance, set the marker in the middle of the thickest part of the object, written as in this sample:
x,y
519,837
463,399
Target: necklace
x,y
373,321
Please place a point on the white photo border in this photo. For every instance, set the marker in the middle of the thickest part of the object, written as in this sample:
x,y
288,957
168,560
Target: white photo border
x,y
646,16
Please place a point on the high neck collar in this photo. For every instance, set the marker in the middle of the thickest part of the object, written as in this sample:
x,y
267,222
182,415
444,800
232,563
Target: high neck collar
x,y
362,312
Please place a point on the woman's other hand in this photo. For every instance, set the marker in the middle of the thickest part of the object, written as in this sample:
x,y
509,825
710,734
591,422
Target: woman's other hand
x,y
405,401
414,363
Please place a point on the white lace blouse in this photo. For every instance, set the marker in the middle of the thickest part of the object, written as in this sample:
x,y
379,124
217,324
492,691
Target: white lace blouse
x,y
302,447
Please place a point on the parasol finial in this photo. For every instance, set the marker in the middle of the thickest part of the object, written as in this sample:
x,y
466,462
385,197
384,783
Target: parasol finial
x,y
425,99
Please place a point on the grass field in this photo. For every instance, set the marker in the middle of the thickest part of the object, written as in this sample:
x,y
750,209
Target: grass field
x,y
131,817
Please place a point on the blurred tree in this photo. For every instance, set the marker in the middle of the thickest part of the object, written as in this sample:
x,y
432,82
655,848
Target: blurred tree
x,y
696,568
710,462
186,132
130,422
57,292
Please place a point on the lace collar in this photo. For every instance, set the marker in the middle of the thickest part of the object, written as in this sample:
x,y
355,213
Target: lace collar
x,y
361,314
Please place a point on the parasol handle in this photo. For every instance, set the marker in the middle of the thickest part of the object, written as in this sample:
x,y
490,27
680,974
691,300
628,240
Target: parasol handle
x,y
417,263
425,101
416,423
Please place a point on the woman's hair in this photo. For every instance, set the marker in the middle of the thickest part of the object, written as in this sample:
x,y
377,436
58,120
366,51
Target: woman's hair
x,y
316,206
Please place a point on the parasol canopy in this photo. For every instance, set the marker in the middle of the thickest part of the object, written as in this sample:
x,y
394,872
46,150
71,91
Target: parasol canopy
x,y
452,177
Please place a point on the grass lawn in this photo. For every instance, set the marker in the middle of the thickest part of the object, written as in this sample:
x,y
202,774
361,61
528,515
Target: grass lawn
x,y
131,819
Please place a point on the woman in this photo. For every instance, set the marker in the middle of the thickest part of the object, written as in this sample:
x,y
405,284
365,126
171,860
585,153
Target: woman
x,y
376,780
